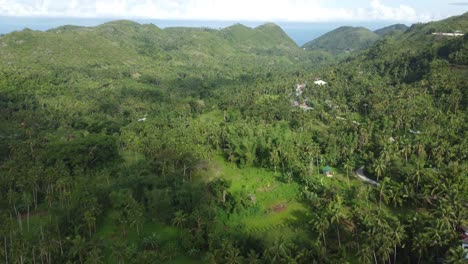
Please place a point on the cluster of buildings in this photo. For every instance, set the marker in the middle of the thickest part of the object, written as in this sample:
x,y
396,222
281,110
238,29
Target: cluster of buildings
x,y
300,88
454,34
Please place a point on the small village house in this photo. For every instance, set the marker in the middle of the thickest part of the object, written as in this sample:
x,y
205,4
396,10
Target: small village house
x,y
300,89
320,82
327,171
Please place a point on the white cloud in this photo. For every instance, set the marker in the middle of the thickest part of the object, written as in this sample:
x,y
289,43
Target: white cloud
x,y
261,10
403,12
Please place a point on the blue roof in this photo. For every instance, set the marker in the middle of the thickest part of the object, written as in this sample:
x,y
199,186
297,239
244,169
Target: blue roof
x,y
326,169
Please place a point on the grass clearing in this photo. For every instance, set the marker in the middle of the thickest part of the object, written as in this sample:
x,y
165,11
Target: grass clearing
x,y
278,202
213,116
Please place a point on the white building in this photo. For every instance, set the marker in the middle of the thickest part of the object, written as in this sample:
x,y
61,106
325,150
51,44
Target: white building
x,y
456,34
320,82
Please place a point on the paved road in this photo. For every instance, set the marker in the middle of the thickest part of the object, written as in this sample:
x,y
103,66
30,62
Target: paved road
x,y
360,174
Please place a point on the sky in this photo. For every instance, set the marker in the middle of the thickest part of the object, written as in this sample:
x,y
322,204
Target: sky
x,y
250,10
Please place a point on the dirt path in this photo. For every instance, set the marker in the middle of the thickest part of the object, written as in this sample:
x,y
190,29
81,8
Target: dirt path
x,y
279,207
360,174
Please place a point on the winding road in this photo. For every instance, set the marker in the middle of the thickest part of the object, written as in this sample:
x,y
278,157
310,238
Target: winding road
x,y
360,174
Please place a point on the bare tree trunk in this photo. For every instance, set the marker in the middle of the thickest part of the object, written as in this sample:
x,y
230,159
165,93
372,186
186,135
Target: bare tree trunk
x,y
357,239
394,255
28,217
375,258
339,239
16,211
347,176
324,240
318,168
35,197
6,252
61,248
20,223
311,167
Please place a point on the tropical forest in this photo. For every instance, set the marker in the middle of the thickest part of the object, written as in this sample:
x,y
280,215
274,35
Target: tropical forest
x,y
130,143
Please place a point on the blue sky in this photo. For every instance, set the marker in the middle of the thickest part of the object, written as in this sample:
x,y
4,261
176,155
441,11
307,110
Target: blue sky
x,y
253,10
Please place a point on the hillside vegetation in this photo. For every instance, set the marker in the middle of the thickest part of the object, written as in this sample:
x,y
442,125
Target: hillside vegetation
x,y
127,143
343,39
392,30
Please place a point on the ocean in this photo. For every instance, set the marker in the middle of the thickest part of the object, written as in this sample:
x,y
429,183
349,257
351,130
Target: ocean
x,y
300,32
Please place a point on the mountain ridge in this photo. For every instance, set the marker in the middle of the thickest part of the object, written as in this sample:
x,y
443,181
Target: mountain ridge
x,y
343,39
392,29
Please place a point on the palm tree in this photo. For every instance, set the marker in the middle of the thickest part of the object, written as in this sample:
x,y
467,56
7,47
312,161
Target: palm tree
x,y
278,251
27,200
456,255
397,237
338,215
78,247
321,225
180,218
379,168
365,254
382,194
349,165
406,150
420,244
385,155
119,251
419,148
94,257
253,257
90,221
232,255
274,158
416,175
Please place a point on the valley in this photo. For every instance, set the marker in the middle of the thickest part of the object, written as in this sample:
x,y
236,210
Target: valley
x,y
129,143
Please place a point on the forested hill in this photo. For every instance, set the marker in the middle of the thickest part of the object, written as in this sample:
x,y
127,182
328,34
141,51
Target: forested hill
x,y
393,29
129,44
128,143
126,46
410,56
343,39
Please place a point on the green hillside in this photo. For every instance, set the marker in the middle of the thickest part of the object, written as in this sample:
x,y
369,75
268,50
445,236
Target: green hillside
x,y
129,43
408,57
128,143
391,30
343,40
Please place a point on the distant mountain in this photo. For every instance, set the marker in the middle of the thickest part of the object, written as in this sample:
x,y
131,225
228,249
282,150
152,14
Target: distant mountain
x,y
130,43
267,36
393,29
343,39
